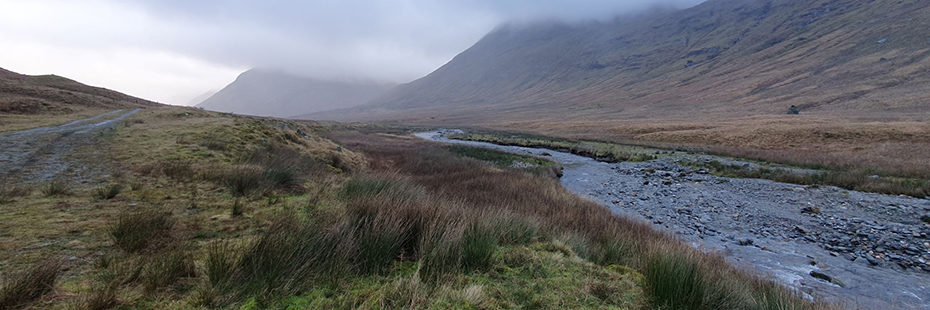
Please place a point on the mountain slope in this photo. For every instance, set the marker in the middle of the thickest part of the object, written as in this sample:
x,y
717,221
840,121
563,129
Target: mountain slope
x,y
269,93
720,58
50,94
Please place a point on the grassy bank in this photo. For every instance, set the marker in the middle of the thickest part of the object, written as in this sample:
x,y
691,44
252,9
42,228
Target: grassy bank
x,y
671,274
207,210
847,177
609,152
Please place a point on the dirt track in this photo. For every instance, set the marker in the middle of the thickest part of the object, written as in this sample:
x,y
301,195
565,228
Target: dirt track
x,y
45,153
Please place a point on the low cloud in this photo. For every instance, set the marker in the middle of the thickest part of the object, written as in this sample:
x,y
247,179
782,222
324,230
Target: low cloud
x,y
202,45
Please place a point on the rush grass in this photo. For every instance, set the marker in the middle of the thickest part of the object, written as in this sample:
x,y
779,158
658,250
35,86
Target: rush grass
x,y
582,227
863,177
608,152
858,180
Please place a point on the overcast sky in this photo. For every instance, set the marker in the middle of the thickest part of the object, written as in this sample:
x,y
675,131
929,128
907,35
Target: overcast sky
x,y
174,50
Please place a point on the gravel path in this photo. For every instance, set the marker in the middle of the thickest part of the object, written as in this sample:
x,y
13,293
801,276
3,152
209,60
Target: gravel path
x,y
42,154
865,250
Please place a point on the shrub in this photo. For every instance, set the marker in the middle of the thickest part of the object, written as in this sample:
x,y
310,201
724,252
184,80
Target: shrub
x,y
56,188
24,287
108,192
135,230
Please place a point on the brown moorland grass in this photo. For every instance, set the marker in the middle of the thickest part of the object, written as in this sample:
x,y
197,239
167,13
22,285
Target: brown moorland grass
x,y
676,275
884,157
162,155
892,146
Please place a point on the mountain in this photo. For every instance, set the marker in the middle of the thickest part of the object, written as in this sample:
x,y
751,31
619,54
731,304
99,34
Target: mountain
x,y
43,94
732,58
201,98
271,93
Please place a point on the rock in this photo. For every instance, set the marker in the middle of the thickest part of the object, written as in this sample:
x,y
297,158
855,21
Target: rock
x,y
825,277
794,110
810,210
745,241
800,230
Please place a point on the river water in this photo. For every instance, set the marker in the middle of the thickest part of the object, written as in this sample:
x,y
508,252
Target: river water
x,y
873,247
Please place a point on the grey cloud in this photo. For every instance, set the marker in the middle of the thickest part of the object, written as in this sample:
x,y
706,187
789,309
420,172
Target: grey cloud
x,y
396,40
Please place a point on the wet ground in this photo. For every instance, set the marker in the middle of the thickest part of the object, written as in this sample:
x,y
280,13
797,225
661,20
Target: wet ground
x,y
864,250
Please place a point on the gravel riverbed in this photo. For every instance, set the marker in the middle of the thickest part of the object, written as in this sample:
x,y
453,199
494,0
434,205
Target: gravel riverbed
x,y
864,250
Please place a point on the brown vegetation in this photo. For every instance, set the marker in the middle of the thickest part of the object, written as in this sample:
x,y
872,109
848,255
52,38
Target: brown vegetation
x,y
597,234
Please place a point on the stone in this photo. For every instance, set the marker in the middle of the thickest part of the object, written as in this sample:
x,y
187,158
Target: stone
x,y
825,277
745,241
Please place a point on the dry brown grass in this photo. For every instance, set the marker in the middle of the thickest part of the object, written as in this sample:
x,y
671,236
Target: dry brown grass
x,y
600,236
893,146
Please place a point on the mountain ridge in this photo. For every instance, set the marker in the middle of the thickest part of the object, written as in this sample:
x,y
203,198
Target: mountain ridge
x,y
266,92
720,58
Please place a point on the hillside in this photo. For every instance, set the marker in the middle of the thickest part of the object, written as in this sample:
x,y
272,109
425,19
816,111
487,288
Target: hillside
x,y
720,58
27,100
270,93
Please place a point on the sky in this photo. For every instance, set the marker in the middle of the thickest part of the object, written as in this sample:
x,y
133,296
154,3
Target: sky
x,y
173,51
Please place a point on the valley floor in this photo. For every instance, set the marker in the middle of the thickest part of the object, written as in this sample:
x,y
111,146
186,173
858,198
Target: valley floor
x,y
860,249
178,208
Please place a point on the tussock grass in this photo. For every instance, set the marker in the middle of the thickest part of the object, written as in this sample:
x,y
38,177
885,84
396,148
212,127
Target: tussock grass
x,y
845,172
166,267
177,169
135,230
853,179
602,151
479,243
108,192
101,296
676,275
19,289
56,188
241,180
676,282
9,193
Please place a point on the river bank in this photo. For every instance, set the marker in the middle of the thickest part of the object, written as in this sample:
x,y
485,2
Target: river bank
x,y
860,249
